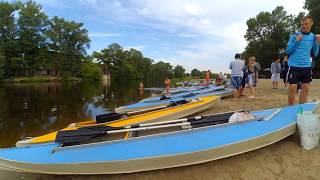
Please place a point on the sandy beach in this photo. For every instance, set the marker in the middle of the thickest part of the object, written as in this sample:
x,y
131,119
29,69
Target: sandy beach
x,y
282,160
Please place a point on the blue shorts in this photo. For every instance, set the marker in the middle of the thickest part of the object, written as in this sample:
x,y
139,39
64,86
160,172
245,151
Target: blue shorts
x,y
236,82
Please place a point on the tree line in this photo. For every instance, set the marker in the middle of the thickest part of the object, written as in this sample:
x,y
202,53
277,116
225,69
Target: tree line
x,y
270,31
32,44
132,64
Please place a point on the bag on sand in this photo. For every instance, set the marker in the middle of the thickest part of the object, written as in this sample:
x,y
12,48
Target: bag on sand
x,y
309,129
240,117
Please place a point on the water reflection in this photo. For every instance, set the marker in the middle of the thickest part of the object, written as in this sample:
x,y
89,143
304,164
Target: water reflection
x,y
38,108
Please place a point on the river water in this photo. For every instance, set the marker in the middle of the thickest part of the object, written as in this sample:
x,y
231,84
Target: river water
x,y
33,109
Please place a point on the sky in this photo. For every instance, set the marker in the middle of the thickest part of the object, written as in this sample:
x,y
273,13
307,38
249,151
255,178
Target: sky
x,y
201,34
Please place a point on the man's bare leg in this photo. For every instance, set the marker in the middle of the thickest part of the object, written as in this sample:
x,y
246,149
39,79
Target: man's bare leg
x,y
305,87
241,91
235,93
291,93
253,91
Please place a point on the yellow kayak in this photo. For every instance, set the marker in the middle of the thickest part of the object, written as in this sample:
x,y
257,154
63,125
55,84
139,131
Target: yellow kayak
x,y
174,112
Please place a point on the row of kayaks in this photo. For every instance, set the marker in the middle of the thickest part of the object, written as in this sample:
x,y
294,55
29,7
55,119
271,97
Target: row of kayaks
x,y
156,139
173,112
166,100
174,106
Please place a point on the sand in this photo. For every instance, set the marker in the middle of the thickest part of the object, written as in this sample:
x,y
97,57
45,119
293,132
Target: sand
x,y
282,160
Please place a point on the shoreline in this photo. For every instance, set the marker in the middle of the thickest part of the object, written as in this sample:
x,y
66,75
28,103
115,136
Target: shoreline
x,y
37,79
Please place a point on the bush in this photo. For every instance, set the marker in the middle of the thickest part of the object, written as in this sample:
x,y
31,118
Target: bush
x,y
90,70
1,67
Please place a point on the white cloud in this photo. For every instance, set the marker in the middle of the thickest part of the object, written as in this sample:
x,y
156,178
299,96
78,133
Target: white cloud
x,y
187,35
224,20
192,9
53,3
139,47
104,34
215,57
144,12
217,28
89,1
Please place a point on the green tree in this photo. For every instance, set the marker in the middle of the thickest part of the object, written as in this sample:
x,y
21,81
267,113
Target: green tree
x,y
90,70
111,59
131,64
140,64
161,70
313,6
179,71
268,32
32,25
195,73
68,42
2,64
124,64
9,47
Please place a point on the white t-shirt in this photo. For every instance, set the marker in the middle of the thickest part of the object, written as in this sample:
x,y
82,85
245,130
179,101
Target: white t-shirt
x,y
236,67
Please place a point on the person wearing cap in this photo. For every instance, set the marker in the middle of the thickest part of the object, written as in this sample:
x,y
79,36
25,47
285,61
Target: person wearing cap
x,y
301,46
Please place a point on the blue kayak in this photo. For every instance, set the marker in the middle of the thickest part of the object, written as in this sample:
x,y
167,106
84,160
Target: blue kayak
x,y
141,106
184,94
202,141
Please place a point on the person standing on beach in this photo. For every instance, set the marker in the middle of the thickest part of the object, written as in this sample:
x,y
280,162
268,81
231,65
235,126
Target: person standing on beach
x,y
236,67
207,77
252,75
300,45
284,71
167,83
219,79
275,72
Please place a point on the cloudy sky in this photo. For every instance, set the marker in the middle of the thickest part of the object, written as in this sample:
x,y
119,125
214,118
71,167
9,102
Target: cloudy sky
x,y
202,34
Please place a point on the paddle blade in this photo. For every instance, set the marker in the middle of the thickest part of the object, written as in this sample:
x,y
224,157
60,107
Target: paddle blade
x,y
211,120
82,134
108,117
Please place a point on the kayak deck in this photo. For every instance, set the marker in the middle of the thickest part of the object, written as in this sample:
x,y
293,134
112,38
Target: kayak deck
x,y
151,116
156,151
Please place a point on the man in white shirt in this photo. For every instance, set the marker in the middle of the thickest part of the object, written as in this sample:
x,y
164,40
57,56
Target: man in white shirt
x,y
236,67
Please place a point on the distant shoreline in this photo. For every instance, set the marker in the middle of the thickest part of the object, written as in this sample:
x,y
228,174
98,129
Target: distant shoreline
x,y
38,79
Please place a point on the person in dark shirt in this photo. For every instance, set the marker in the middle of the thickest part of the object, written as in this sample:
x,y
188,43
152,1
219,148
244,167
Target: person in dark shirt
x,y
284,71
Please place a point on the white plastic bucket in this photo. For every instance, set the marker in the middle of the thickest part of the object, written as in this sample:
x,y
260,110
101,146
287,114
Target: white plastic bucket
x,y
309,129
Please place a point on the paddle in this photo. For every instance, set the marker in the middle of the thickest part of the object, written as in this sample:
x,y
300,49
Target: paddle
x,y
112,116
272,115
85,133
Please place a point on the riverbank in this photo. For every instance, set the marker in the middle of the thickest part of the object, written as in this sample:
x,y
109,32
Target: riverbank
x,y
37,79
282,160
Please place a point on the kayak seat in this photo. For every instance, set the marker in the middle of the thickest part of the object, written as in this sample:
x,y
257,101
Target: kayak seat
x,y
163,97
212,120
176,103
189,95
108,117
